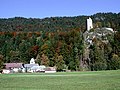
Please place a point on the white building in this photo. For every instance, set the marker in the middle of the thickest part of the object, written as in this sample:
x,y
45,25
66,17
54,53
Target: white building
x,y
89,24
109,29
32,61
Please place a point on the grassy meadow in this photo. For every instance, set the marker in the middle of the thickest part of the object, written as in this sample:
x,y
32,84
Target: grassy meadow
x,y
97,80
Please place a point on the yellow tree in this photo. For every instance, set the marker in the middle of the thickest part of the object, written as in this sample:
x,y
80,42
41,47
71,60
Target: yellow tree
x,y
44,60
60,63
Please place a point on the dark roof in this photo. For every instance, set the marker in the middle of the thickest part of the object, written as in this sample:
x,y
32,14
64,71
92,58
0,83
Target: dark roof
x,y
13,65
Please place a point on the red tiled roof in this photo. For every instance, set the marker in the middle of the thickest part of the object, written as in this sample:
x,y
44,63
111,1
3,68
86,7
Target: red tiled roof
x,y
50,69
13,65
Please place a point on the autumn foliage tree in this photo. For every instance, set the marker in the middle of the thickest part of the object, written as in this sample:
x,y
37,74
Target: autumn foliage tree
x,y
44,60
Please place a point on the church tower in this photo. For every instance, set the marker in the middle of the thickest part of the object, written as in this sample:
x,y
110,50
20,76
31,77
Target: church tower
x,y
89,24
32,61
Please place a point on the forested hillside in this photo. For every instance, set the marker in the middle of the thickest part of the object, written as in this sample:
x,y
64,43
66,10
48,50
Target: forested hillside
x,y
58,41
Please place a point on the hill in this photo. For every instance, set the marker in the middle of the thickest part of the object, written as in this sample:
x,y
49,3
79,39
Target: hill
x,y
58,41
59,23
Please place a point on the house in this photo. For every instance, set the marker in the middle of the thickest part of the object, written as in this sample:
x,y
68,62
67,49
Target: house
x,y
12,67
50,70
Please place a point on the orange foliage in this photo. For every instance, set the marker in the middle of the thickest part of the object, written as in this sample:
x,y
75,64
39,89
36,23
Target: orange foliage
x,y
35,48
45,46
38,33
14,34
62,33
44,60
29,34
59,45
2,33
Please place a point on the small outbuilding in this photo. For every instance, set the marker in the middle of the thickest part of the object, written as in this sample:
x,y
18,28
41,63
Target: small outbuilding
x,y
50,70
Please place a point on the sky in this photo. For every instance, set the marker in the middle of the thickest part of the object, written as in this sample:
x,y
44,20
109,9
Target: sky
x,y
53,8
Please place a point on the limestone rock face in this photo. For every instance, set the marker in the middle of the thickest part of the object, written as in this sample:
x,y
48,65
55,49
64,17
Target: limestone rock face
x,y
90,36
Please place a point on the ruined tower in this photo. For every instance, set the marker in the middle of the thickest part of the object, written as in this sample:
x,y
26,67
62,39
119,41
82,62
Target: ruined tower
x,y
89,24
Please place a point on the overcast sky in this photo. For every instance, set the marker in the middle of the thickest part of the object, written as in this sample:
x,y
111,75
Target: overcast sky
x,y
52,8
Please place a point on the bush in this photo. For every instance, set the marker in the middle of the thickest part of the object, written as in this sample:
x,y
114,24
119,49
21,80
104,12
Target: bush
x,y
98,66
114,63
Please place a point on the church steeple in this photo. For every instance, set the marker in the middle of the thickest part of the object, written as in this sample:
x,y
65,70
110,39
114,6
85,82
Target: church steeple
x,y
32,61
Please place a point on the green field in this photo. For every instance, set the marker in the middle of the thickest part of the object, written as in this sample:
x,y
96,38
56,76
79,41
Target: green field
x,y
100,80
